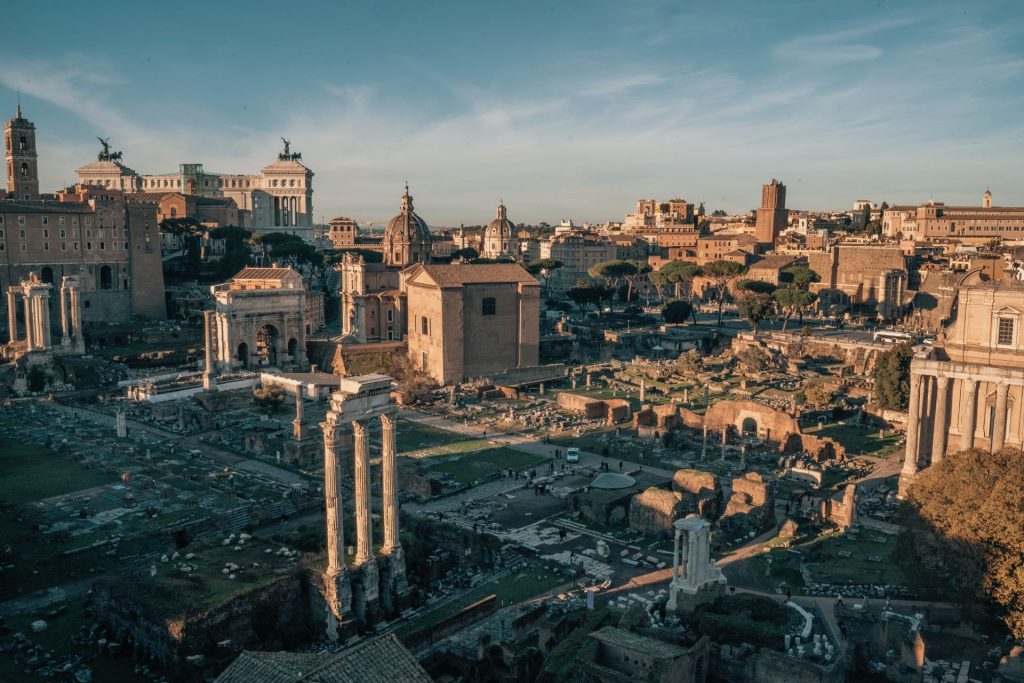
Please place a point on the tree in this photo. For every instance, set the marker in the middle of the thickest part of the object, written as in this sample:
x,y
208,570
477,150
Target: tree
x,y
268,398
414,385
799,276
612,272
681,273
660,282
818,397
639,268
755,307
543,267
466,254
965,529
721,273
892,377
791,300
676,312
753,359
586,296
689,363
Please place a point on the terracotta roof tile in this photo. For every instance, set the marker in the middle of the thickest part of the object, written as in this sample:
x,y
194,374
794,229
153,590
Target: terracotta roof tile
x,y
449,275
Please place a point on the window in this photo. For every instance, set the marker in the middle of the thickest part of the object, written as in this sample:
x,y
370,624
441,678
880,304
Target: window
x,y
46,220
391,315
425,360
424,325
21,220
60,220
46,246
1005,335
489,305
46,233
76,246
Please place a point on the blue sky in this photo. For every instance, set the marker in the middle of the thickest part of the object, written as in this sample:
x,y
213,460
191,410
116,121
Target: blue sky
x,y
563,109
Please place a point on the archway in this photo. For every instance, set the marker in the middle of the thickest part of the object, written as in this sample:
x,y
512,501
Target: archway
x,y
243,354
266,345
46,274
749,427
293,347
106,278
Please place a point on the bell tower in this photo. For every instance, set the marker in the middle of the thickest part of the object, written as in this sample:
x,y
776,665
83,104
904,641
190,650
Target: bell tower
x,y
20,153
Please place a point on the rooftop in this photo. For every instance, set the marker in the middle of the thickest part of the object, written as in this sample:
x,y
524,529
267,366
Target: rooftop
x,y
651,647
453,275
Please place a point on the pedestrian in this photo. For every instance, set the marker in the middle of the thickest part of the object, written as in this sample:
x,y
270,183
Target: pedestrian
x,y
620,466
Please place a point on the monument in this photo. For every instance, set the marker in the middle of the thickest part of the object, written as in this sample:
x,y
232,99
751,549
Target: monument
x,y
696,579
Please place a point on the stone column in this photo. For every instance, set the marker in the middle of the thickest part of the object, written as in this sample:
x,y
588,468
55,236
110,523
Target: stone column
x,y
968,413
298,426
940,433
65,336
30,341
12,315
335,529
76,318
361,475
44,318
913,425
675,557
684,555
209,381
389,475
704,444
643,390
999,428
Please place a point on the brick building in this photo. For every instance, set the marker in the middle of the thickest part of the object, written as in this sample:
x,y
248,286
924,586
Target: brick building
x,y
104,238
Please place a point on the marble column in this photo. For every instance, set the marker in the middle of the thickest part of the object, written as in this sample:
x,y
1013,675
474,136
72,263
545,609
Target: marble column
x,y
940,433
361,475
29,325
298,426
913,425
65,336
12,315
209,381
999,428
335,529
968,413
675,557
389,465
43,306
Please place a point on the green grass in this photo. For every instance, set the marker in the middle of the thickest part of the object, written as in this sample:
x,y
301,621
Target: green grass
x,y
830,567
33,472
859,440
413,436
480,465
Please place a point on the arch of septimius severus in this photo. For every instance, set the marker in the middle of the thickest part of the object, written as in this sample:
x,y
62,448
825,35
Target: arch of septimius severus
x,y
968,391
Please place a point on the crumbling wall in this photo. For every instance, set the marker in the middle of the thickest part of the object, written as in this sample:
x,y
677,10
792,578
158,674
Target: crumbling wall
x,y
655,510
701,492
751,506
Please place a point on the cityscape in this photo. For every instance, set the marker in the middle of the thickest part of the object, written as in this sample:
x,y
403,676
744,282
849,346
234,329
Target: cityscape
x,y
282,399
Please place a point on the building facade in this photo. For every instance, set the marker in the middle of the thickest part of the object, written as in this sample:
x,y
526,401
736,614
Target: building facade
x,y
968,391
935,220
471,320
103,239
343,232
281,195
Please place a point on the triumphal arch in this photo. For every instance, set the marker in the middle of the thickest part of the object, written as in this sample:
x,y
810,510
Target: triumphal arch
x,y
259,321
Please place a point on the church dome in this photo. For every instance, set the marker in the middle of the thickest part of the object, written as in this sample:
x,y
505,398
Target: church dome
x,y
500,226
406,237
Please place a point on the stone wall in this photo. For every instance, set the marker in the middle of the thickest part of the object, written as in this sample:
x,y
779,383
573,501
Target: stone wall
x,y
701,492
655,510
751,506
612,409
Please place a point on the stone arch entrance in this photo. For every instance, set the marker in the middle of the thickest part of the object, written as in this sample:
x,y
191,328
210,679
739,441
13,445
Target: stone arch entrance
x,y
46,274
267,340
243,354
106,278
293,346
748,427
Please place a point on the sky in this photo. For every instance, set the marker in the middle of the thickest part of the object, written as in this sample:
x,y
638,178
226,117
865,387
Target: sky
x,y
570,109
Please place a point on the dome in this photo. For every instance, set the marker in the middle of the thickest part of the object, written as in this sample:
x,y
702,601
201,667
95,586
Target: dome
x,y
500,226
406,237
612,480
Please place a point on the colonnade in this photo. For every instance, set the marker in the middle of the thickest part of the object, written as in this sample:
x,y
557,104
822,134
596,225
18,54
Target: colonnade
x,y
692,566
945,401
364,570
35,296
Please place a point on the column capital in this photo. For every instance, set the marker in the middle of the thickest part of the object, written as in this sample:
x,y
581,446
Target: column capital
x,y
330,435
388,420
358,428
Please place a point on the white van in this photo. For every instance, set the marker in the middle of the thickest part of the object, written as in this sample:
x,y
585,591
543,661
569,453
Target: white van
x,y
572,455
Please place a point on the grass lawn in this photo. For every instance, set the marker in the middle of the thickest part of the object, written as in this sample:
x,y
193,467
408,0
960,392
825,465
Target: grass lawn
x,y
537,579
831,567
860,440
482,464
33,472
413,436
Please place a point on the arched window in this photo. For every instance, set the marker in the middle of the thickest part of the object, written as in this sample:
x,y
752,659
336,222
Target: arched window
x,y
489,305
174,212
47,274
106,278
24,170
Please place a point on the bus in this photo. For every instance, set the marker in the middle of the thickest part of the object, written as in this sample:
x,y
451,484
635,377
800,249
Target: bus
x,y
892,337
